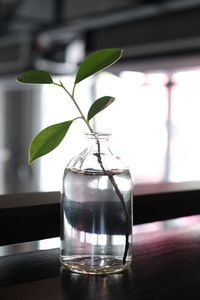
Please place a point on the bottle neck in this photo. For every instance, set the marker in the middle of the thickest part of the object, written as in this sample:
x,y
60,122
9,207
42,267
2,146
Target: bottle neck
x,y
98,142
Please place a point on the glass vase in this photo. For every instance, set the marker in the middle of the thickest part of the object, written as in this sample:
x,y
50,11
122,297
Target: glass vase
x,y
96,210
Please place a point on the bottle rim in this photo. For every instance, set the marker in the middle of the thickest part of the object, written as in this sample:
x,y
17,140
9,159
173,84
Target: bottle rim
x,y
99,135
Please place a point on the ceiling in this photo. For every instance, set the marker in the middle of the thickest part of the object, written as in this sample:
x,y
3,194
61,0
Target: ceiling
x,y
35,30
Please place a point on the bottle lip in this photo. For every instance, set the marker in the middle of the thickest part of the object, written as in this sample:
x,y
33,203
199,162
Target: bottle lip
x,y
99,135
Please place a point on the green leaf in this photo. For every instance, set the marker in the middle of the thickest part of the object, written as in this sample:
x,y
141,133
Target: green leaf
x,y
99,105
35,77
48,139
97,61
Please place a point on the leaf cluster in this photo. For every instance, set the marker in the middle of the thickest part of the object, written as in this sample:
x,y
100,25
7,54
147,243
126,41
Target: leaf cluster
x,y
49,138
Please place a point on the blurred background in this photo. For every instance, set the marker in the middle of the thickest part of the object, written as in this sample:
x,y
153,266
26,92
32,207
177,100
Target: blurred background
x,y
154,121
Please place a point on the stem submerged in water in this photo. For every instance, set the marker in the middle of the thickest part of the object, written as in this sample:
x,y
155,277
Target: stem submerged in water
x,y
120,196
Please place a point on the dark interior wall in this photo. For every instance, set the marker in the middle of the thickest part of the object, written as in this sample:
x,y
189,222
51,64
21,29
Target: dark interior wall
x,y
165,34
77,8
144,28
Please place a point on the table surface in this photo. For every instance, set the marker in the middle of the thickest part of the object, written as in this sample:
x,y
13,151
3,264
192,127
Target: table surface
x,y
166,265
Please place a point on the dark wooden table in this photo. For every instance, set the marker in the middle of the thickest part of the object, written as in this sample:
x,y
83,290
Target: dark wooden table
x,y
166,265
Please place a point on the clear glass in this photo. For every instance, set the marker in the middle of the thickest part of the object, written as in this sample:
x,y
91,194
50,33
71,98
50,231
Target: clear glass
x,y
96,210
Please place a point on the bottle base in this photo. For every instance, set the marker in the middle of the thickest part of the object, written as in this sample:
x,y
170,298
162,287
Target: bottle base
x,y
97,265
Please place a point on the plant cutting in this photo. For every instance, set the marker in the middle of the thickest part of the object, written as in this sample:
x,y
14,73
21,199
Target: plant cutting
x,y
96,214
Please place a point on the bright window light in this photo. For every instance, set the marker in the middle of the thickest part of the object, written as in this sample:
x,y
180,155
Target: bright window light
x,y
185,140
57,107
137,120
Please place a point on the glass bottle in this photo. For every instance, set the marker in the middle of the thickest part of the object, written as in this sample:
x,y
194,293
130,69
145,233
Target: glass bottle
x,y
96,210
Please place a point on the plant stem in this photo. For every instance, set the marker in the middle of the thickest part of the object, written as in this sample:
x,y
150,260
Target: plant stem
x,y
120,196
76,104
109,174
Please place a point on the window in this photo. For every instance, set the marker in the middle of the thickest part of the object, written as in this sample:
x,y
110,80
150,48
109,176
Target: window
x,y
154,123
137,121
156,118
185,127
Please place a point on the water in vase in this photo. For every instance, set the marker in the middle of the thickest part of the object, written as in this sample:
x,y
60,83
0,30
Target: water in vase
x,y
94,224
